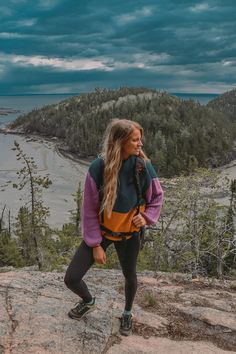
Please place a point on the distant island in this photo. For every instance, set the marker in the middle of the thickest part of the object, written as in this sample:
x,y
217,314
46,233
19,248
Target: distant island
x,y
6,111
180,135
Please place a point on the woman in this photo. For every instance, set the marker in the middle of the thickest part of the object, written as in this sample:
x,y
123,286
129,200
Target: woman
x,y
113,213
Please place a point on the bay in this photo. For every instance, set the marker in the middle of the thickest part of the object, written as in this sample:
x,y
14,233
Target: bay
x,y
64,173
27,103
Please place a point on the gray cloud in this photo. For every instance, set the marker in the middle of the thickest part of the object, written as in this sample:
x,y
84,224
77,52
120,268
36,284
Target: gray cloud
x,y
178,46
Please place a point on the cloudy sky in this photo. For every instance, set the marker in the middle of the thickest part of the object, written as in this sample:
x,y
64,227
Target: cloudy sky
x,y
63,46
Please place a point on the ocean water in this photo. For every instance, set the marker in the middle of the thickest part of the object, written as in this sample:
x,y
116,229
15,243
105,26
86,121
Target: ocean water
x,y
25,104
64,173
202,98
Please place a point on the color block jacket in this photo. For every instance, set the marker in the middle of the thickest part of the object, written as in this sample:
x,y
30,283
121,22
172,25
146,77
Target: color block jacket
x,y
126,202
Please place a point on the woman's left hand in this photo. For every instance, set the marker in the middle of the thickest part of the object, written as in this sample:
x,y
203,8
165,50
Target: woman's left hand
x,y
139,220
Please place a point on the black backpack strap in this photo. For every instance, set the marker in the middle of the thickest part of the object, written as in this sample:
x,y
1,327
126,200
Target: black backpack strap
x,y
139,168
119,234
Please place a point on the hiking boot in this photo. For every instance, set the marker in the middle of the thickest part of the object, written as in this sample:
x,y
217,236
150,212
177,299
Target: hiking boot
x,y
81,309
126,325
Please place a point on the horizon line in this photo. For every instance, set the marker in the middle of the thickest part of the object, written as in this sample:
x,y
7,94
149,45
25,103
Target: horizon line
x,y
77,93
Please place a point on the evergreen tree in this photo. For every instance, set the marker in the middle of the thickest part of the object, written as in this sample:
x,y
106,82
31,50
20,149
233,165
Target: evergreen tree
x,y
37,213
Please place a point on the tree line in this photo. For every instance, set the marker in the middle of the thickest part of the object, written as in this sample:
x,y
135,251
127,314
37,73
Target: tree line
x,y
180,135
225,103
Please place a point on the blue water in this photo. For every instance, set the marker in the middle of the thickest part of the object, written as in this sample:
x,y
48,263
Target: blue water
x,y
27,103
202,98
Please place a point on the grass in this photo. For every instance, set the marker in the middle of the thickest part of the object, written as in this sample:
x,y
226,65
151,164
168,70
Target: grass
x,y
150,300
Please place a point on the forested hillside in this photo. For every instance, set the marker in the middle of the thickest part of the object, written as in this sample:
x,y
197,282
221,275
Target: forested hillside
x,y
225,103
179,135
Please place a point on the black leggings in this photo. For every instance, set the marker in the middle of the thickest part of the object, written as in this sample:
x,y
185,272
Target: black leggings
x,y
127,252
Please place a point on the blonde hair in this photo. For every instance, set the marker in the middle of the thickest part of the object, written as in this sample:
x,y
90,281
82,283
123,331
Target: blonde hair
x,y
117,133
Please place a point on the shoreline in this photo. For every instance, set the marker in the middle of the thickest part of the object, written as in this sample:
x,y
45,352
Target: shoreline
x,y
63,151
65,174
60,149
7,111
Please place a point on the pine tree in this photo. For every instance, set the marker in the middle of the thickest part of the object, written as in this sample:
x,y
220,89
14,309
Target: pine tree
x,y
34,183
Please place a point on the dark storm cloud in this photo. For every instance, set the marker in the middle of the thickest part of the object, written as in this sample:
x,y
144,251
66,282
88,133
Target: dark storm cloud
x,y
50,45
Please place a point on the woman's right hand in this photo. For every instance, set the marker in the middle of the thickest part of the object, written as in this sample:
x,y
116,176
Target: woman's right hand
x,y
99,255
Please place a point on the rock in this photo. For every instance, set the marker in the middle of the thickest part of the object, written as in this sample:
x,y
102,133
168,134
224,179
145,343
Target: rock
x,y
212,317
136,345
221,325
211,299
34,319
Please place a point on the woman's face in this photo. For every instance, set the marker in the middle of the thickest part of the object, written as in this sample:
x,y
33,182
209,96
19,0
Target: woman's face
x,y
133,144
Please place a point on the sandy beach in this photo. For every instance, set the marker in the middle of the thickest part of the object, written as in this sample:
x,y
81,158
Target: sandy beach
x,y
64,173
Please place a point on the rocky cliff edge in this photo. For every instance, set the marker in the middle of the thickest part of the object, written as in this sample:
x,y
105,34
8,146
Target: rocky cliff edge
x,y
172,314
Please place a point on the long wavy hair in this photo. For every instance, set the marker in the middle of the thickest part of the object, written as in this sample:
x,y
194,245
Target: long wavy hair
x,y
116,135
